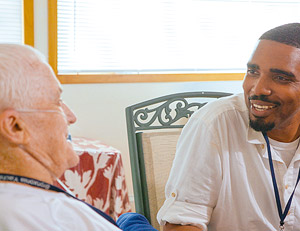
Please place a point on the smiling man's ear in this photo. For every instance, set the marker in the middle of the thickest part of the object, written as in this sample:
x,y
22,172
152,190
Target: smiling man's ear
x,y
12,127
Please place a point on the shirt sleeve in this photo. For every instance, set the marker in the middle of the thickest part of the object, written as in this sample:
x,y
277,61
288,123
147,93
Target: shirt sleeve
x,y
195,178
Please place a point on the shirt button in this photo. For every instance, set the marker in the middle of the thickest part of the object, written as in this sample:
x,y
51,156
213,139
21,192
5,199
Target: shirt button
x,y
173,194
286,186
289,212
262,146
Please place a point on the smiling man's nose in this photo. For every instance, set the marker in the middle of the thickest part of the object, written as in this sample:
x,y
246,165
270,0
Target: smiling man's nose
x,y
261,86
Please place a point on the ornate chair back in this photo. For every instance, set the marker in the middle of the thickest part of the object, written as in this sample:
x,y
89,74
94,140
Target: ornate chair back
x,y
153,128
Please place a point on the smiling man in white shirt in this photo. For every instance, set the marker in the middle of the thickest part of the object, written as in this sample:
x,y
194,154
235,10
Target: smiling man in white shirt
x,y
237,160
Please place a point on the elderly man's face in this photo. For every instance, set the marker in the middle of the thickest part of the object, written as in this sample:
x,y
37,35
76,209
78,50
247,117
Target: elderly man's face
x,y
49,130
272,87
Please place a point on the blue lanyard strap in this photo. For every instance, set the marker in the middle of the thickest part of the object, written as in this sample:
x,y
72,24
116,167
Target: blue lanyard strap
x,y
44,185
283,215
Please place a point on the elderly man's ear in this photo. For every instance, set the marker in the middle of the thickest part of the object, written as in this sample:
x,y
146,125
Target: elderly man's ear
x,y
12,127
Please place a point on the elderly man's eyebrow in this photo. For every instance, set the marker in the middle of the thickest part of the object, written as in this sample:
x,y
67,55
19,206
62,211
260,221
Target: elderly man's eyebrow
x,y
59,91
286,73
253,66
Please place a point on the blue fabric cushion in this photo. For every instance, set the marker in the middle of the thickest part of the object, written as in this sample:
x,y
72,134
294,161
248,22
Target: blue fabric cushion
x,y
134,222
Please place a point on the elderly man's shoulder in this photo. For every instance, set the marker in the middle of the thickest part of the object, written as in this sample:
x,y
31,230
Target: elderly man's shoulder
x,y
41,207
20,200
20,205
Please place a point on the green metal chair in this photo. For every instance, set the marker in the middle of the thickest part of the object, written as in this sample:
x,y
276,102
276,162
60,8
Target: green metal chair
x,y
153,127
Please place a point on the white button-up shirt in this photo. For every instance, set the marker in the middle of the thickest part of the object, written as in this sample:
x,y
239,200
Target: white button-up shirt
x,y
221,180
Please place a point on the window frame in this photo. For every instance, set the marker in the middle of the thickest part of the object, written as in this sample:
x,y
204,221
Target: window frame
x,y
120,78
28,22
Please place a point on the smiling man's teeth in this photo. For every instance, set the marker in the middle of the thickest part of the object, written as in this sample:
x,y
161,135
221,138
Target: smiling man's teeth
x,y
262,107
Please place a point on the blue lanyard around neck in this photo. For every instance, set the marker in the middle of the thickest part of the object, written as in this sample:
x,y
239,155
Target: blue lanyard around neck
x,y
44,185
288,205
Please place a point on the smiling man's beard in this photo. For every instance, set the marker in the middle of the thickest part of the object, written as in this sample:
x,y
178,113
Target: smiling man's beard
x,y
260,125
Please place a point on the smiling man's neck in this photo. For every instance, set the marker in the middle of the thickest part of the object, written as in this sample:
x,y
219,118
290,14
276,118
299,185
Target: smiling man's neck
x,y
286,135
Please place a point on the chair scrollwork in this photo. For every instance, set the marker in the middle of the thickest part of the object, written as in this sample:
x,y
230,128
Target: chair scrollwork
x,y
166,114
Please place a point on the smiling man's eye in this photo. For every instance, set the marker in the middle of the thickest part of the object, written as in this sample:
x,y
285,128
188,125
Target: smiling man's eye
x,y
251,71
282,78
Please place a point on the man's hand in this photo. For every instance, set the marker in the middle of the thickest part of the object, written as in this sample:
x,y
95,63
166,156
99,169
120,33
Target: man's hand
x,y
171,227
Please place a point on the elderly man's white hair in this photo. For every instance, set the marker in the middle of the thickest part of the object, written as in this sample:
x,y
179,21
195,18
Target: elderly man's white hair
x,y
21,68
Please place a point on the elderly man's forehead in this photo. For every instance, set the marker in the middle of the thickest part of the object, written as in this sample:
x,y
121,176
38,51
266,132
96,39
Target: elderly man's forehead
x,y
53,87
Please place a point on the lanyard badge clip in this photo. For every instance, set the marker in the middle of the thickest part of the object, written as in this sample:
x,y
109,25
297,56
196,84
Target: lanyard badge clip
x,y
281,226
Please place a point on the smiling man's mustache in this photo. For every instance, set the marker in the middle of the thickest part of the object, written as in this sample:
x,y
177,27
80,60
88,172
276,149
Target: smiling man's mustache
x,y
263,98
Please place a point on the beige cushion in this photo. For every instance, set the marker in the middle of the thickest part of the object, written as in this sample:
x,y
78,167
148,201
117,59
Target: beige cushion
x,y
159,150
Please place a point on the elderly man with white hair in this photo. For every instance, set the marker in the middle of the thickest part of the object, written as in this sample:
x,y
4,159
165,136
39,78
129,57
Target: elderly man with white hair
x,y
35,151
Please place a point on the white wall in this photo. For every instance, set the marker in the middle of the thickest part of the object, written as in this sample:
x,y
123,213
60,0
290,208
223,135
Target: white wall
x,y
100,108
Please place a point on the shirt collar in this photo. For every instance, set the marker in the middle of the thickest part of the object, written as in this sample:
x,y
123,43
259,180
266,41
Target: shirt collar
x,y
254,137
297,154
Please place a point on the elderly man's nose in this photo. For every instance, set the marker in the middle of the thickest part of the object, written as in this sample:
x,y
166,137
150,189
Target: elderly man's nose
x,y
71,117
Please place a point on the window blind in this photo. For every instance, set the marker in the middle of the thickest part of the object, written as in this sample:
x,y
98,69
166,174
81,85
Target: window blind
x,y
11,25
164,36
